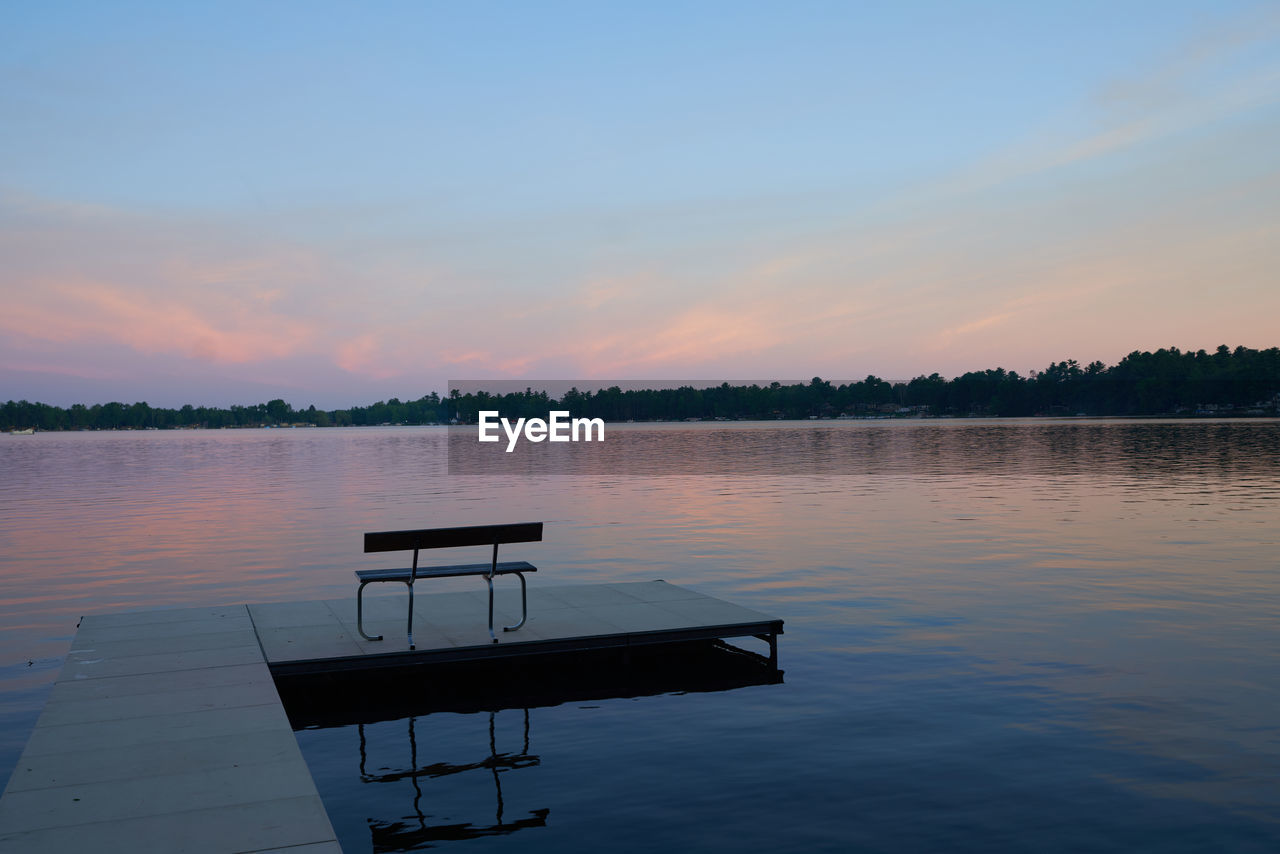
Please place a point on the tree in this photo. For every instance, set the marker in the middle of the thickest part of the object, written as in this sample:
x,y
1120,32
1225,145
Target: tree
x,y
278,412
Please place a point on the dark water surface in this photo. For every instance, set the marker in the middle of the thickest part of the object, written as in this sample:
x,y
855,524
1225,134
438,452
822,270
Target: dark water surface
x,y
1013,635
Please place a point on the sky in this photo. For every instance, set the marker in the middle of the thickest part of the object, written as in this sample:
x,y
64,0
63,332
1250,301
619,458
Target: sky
x,y
339,203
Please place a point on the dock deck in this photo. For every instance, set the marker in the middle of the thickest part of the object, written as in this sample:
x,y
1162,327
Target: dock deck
x,y
165,731
311,637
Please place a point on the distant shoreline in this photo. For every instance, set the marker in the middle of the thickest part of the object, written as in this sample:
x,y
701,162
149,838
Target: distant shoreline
x,y
1239,383
1048,419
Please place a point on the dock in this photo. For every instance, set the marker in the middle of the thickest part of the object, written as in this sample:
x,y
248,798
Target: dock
x,y
165,729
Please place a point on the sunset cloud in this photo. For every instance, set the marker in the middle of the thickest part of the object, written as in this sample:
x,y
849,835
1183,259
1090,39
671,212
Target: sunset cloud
x,y
89,311
1095,203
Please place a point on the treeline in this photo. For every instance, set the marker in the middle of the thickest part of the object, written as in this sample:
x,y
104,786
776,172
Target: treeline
x,y
275,413
1166,382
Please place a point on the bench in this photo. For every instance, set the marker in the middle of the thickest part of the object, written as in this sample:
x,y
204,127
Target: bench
x,y
448,538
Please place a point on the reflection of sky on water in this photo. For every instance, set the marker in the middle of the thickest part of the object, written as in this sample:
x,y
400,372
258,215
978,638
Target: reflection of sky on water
x,y
915,753
416,740
1052,635
915,448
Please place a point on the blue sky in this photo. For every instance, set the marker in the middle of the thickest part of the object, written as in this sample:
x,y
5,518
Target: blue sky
x,y
336,203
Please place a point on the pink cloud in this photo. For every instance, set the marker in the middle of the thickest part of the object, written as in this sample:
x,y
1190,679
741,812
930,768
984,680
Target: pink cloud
x,y
87,311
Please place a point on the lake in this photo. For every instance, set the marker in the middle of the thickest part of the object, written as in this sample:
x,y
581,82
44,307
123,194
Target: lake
x,y
1021,635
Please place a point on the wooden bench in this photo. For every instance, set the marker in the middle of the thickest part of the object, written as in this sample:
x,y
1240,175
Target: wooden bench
x,y
448,538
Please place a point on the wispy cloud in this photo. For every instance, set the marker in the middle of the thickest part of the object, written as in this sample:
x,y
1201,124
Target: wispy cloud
x,y
93,311
978,325
1217,75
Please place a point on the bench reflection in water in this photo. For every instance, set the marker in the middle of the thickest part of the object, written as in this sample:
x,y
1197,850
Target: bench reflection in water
x,y
420,796
410,833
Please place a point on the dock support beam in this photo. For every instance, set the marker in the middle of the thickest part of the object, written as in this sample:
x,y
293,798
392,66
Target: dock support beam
x,y
772,640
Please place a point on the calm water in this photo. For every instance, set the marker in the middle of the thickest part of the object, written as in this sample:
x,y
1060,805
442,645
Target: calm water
x,y
1026,636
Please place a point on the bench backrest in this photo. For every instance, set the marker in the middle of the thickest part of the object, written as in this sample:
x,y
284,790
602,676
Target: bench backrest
x,y
447,538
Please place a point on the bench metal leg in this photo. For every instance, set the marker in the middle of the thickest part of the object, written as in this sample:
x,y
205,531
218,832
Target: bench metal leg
x,y
360,613
524,606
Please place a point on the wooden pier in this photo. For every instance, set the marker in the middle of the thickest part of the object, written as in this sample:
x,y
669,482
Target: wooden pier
x,y
165,730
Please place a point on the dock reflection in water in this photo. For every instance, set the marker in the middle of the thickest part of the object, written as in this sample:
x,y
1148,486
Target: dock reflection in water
x,y
410,794
408,834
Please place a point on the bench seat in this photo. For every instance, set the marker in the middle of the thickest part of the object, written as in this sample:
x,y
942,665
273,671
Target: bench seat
x,y
506,567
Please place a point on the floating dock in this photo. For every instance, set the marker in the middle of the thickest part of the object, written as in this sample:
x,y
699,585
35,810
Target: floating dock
x,y
165,730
